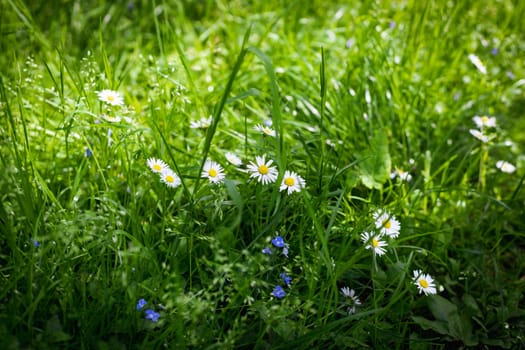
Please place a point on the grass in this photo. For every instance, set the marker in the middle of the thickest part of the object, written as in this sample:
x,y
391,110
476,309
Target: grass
x,y
354,92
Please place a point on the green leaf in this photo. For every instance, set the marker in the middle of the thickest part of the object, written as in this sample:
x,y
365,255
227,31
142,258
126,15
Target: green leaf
x,y
496,342
471,305
440,307
54,332
437,326
248,93
459,326
375,163
233,193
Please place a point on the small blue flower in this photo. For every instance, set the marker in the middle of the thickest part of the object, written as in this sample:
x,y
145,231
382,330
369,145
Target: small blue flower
x,y
152,315
267,251
392,25
141,304
88,153
278,242
494,51
287,279
279,292
35,243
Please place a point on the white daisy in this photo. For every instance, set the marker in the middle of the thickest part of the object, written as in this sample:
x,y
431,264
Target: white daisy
x,y
386,224
262,170
403,175
157,165
109,119
169,177
233,158
424,282
504,166
484,121
111,97
292,182
479,135
203,123
477,62
350,293
213,171
374,243
265,130
354,300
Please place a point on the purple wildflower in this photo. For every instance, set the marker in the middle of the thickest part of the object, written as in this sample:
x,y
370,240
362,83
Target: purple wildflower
x,y
141,303
287,279
278,292
152,315
278,242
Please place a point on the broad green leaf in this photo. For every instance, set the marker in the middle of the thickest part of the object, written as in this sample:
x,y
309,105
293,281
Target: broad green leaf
x,y
459,326
441,308
437,326
54,331
472,305
375,163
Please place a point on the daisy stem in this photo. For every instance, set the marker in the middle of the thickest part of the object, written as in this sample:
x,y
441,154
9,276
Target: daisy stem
x,y
374,296
482,167
164,212
375,261
258,203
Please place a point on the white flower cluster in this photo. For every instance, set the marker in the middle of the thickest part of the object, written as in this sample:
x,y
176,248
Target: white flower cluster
x,y
168,176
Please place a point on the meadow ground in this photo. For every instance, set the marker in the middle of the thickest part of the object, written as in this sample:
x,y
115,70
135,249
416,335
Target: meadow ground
x,y
262,174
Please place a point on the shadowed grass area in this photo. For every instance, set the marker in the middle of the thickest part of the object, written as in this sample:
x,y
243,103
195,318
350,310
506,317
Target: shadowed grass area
x,y
388,219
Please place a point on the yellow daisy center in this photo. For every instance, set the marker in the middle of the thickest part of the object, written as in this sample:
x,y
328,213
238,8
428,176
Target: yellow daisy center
x,y
423,283
375,243
267,131
111,98
170,178
387,224
289,181
484,119
263,169
157,167
212,172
